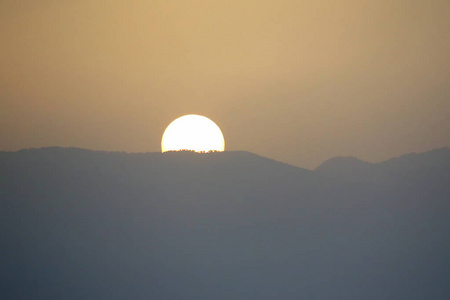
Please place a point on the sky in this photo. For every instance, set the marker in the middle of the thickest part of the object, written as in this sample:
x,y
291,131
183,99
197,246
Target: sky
x,y
296,81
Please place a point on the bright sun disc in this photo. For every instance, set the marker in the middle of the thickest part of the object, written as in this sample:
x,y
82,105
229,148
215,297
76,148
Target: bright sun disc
x,y
192,132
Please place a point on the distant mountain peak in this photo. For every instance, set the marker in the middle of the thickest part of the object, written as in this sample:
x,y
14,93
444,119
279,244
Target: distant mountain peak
x,y
439,157
436,158
343,164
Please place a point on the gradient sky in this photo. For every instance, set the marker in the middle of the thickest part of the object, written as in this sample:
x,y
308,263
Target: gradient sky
x,y
297,81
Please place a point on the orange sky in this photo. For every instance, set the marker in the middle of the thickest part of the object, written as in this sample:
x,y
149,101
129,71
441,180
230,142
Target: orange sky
x,y
297,81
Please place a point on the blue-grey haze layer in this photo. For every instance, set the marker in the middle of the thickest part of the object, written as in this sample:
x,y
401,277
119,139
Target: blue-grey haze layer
x,y
79,224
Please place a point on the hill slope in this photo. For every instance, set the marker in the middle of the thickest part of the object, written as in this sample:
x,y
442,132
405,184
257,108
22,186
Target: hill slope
x,y
79,224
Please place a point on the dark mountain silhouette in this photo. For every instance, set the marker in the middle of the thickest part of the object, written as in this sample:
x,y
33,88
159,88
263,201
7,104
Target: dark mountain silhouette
x,y
80,224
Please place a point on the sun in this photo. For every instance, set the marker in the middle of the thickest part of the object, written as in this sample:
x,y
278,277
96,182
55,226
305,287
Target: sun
x,y
192,132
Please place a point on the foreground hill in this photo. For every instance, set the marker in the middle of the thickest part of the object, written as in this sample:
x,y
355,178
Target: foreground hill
x,y
79,224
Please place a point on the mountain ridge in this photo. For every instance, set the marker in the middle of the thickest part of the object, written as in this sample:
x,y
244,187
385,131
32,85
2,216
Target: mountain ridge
x,y
437,156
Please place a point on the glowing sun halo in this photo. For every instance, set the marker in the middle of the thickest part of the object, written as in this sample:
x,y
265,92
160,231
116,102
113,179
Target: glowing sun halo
x,y
192,132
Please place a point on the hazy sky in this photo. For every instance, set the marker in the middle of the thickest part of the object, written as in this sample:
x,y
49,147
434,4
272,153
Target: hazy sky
x,y
297,81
